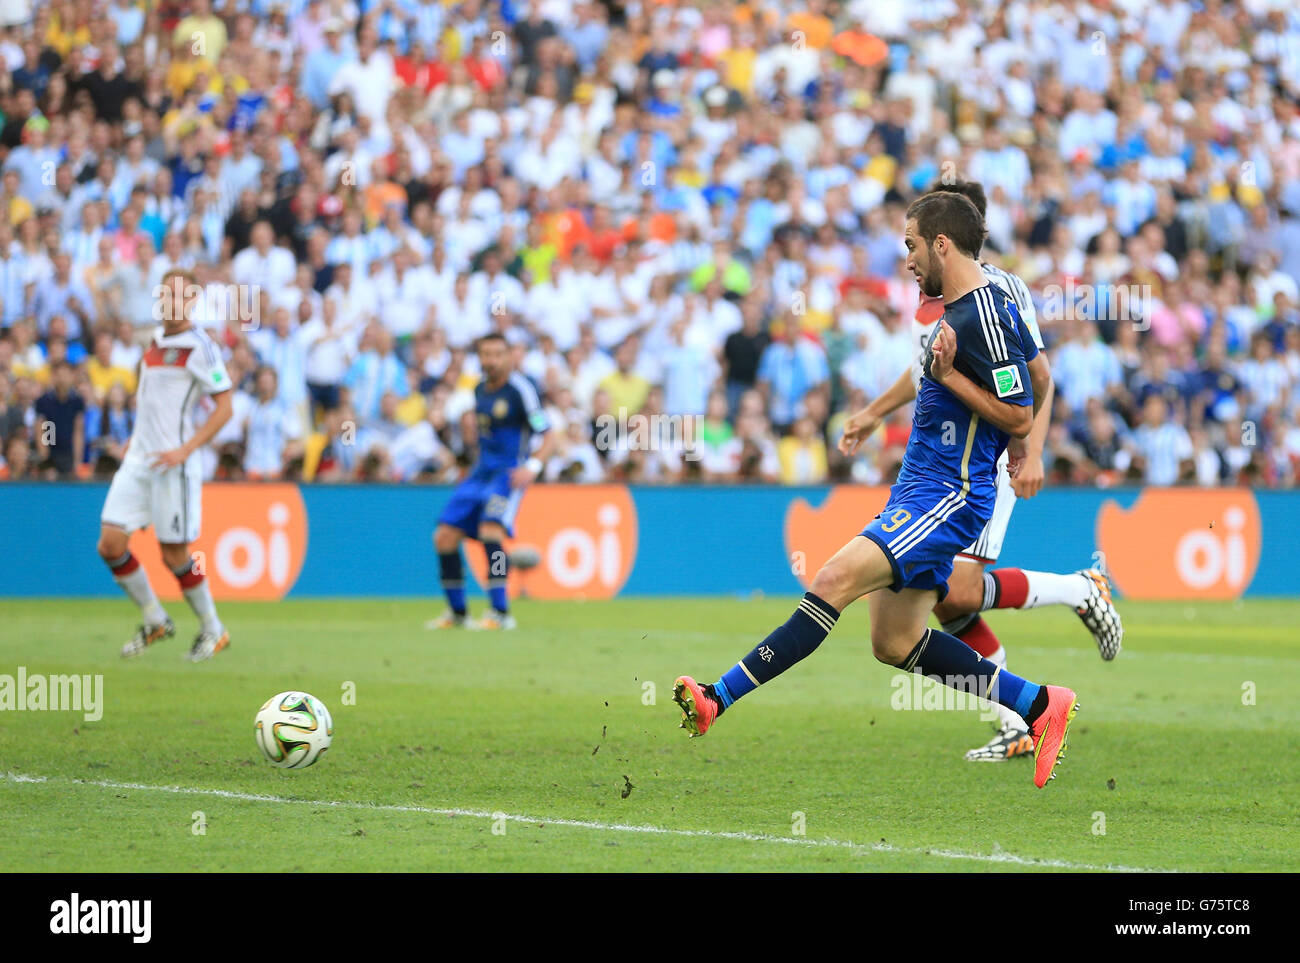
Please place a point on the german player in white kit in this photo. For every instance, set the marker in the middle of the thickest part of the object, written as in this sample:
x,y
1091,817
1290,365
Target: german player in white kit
x,y
971,588
160,480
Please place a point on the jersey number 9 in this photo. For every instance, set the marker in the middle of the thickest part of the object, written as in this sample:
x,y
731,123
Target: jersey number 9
x,y
897,520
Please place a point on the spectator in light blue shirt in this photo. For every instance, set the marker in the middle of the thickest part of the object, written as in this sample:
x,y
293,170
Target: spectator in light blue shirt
x,y
282,347
760,219
1085,367
428,20
1162,445
64,296
1089,127
588,35
351,247
1286,236
14,268
241,169
789,369
129,17
34,160
102,188
391,21
273,428
321,66
688,373
1000,164
1132,199
376,372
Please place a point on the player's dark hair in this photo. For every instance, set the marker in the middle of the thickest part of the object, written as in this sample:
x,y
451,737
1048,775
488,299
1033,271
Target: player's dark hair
x,y
971,190
490,336
952,215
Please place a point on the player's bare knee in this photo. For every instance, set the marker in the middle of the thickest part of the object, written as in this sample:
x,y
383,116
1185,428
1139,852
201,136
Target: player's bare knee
x,y
445,540
954,606
491,532
112,545
834,584
175,555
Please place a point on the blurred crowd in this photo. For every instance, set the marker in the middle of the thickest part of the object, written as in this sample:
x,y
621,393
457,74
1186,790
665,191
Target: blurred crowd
x,y
686,217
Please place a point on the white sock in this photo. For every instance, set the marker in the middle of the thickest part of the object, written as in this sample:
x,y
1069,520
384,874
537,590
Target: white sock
x,y
1048,588
1007,718
136,585
200,599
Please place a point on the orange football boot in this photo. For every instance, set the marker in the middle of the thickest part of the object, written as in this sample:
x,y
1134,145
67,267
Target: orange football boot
x,y
1049,732
698,710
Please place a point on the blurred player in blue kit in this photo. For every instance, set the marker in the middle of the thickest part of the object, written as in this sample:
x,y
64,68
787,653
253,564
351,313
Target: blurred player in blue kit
x,y
485,504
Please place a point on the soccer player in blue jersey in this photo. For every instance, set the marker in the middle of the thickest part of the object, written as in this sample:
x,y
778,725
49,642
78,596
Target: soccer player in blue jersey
x,y
972,589
484,505
976,399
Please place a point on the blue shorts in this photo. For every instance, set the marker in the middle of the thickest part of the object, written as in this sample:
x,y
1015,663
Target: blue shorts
x,y
922,527
485,496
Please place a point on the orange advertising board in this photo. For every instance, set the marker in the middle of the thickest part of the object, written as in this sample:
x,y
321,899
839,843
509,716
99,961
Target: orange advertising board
x,y
252,545
813,535
586,536
1182,543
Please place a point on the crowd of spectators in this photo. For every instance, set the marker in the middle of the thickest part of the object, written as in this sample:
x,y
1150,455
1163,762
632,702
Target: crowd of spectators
x,y
686,217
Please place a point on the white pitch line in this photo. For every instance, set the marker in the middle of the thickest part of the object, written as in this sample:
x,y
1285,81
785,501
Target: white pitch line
x,y
995,857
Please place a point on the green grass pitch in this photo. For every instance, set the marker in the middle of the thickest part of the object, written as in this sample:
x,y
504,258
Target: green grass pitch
x,y
544,748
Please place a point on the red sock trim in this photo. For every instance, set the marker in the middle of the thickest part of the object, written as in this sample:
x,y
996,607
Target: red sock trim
x,y
979,636
1013,588
126,568
189,579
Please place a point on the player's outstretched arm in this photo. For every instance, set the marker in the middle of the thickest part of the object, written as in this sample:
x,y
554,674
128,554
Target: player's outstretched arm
x,y
859,426
1016,420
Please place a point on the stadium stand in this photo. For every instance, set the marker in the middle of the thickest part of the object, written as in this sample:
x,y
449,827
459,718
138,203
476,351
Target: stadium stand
x,y
680,210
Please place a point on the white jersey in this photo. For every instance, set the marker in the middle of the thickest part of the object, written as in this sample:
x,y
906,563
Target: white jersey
x,y
175,372
930,310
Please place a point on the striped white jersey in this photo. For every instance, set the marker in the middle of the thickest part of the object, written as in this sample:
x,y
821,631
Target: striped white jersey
x,y
175,372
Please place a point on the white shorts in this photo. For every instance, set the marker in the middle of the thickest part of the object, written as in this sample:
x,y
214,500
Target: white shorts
x,y
170,500
988,546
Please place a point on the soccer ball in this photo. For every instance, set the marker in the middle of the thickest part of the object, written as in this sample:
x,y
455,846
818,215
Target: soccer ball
x,y
525,557
294,729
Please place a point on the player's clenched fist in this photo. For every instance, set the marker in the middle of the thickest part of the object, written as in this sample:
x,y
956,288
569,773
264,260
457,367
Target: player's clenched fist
x,y
1027,481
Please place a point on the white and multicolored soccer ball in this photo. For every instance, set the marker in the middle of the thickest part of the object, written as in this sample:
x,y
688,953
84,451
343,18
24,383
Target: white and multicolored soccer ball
x,y
294,729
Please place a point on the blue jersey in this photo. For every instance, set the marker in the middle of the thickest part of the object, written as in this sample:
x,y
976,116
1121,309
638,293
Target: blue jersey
x,y
950,444
507,420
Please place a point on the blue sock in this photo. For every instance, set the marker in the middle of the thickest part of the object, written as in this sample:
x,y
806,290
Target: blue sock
x,y
453,580
954,663
792,642
498,569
